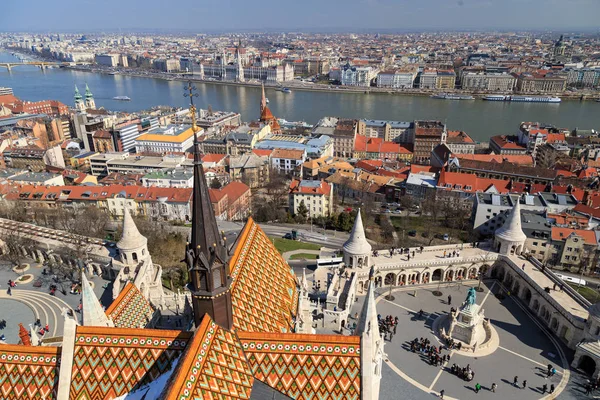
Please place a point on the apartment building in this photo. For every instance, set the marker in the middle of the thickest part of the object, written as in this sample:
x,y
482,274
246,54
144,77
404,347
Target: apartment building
x,y
427,135
537,83
488,81
403,78
287,160
170,139
343,137
317,196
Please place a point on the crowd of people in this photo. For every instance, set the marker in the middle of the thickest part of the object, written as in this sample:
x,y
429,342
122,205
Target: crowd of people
x,y
387,326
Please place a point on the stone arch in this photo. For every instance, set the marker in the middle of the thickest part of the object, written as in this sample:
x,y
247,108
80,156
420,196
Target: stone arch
x,y
587,364
473,273
516,288
378,281
360,286
526,295
390,279
402,279
437,275
343,324
450,275
484,269
554,324
426,277
536,305
134,256
565,333
544,313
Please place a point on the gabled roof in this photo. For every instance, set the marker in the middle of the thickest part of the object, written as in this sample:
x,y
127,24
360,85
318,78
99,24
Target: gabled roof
x,y
130,309
29,372
213,367
560,234
110,362
264,289
305,366
522,159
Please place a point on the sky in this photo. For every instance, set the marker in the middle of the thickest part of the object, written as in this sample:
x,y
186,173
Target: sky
x,y
292,15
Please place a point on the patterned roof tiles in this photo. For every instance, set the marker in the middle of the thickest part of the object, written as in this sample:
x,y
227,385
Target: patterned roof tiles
x,y
130,309
110,362
213,367
305,366
28,372
264,289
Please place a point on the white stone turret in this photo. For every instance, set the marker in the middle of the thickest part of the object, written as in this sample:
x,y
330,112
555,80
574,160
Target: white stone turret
x,y
92,313
371,346
510,239
133,247
357,250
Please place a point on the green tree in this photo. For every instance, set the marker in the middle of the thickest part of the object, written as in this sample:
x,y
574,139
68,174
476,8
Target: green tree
x,y
301,213
344,222
215,183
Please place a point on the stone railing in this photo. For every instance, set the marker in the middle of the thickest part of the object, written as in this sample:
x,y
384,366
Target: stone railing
x,y
575,321
490,257
566,288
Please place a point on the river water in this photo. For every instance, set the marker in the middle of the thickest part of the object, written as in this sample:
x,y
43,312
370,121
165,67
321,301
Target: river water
x,y
481,119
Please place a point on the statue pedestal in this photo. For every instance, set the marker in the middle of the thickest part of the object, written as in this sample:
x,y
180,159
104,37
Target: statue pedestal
x,y
468,325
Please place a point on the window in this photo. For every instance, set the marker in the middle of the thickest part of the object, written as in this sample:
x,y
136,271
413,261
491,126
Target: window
x,y
567,258
495,214
532,251
535,243
542,253
574,258
569,249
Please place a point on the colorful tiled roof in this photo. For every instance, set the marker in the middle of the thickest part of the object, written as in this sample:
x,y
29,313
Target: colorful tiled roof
x,y
28,372
264,290
213,367
110,362
130,309
305,366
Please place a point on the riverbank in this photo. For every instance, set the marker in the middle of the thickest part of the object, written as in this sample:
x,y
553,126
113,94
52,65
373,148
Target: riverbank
x,y
316,87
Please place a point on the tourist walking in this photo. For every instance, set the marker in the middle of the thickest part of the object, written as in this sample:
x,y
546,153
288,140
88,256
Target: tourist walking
x,y
544,388
494,386
552,388
477,387
524,384
516,381
9,291
449,300
442,394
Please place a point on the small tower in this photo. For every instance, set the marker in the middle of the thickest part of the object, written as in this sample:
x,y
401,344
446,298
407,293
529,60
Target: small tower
x,y
371,345
89,98
240,68
510,239
357,250
79,105
201,73
133,246
92,313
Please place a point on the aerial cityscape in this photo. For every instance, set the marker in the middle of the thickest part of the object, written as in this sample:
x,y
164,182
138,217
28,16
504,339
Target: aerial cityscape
x,y
242,211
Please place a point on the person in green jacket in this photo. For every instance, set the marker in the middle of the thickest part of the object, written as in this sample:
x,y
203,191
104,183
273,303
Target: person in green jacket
x,y
477,387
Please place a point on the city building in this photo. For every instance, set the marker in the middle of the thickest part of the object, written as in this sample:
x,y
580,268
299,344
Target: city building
x,y
251,169
169,177
507,145
343,135
541,83
317,196
488,81
49,107
377,148
357,76
460,142
231,202
402,78
427,135
170,139
390,131
288,160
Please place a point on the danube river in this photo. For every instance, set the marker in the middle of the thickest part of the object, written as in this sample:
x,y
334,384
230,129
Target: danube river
x,y
481,119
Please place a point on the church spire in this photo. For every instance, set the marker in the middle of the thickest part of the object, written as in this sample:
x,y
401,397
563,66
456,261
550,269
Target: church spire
x,y
206,254
263,99
92,312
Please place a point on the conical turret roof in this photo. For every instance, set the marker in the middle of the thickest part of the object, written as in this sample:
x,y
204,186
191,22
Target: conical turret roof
x,y
91,310
511,231
77,94
357,242
131,237
88,92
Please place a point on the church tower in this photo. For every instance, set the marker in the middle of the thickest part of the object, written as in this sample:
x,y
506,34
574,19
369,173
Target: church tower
x,y
89,98
240,67
79,105
207,257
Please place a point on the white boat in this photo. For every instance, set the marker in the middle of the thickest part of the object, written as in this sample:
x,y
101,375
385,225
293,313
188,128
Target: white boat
x,y
286,90
121,98
496,97
535,99
451,96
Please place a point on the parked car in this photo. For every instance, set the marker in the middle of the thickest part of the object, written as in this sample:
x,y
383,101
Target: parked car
x,y
397,211
446,237
412,233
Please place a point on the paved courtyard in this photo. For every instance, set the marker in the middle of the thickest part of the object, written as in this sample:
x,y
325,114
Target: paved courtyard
x,y
28,302
525,350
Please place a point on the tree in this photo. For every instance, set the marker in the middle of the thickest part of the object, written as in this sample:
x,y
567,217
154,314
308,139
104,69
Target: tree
x,y
344,222
215,183
387,229
301,213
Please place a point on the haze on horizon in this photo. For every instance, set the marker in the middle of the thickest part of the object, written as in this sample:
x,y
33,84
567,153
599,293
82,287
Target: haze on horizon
x,y
308,15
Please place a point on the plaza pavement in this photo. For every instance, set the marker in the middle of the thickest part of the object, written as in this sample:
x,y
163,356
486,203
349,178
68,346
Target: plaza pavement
x,y
28,302
525,349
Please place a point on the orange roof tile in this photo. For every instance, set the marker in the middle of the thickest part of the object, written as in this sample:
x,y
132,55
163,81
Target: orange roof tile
x,y
213,367
29,372
262,152
264,299
291,154
563,233
110,362
521,159
130,309
282,361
